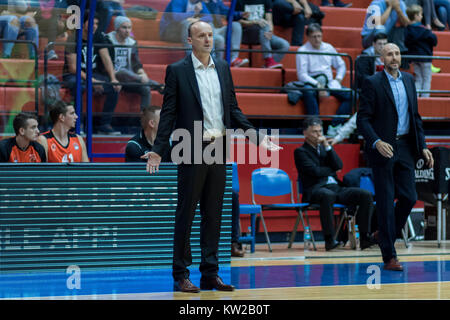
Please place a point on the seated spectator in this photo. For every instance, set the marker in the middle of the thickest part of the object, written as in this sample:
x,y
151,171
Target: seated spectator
x,y
179,14
385,16
315,71
259,25
102,71
219,10
443,12
429,16
9,30
345,131
336,3
59,144
420,42
23,147
141,144
18,21
127,65
317,164
108,9
366,66
294,14
49,17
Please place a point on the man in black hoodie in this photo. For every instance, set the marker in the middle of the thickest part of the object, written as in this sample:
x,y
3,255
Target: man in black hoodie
x,y
420,41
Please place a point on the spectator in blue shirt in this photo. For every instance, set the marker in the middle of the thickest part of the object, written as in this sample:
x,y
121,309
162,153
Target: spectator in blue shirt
x,y
382,17
179,14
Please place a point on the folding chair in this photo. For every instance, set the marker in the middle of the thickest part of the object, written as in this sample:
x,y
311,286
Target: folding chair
x,y
273,182
365,182
310,206
251,209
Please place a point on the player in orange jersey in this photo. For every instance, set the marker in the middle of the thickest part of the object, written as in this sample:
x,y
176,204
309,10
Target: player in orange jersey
x,y
61,145
23,147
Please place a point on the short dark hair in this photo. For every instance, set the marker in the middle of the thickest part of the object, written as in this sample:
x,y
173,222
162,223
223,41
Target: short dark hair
x,y
21,121
311,121
379,36
86,16
59,107
313,27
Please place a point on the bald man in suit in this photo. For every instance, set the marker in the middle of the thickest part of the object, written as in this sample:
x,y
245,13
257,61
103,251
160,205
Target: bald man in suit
x,y
199,89
389,120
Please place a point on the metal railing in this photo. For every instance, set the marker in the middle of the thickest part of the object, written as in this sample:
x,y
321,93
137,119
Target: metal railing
x,y
23,83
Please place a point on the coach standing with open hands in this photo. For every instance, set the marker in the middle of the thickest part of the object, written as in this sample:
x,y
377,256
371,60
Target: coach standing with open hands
x,y
388,119
199,89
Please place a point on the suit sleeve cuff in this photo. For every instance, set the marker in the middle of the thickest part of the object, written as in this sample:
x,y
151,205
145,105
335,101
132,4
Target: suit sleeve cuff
x,y
375,143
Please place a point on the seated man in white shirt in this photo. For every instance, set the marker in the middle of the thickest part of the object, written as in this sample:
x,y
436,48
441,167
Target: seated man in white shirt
x,y
315,71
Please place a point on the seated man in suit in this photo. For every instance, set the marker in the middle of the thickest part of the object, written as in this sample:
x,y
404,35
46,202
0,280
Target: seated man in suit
x,y
317,164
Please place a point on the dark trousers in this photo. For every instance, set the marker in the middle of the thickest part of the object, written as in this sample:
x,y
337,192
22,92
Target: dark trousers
x,y
394,179
112,96
125,75
310,100
282,16
205,184
329,194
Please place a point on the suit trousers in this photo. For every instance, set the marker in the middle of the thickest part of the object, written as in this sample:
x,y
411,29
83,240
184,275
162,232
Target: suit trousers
x,y
394,180
205,184
329,194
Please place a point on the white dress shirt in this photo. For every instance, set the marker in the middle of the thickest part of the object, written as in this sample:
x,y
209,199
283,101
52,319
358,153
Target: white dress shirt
x,y
309,65
211,98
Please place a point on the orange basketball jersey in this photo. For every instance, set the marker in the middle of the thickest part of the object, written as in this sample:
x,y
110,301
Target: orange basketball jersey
x,y
10,152
59,153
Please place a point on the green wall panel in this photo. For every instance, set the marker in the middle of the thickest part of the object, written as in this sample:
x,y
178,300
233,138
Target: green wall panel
x,y
94,215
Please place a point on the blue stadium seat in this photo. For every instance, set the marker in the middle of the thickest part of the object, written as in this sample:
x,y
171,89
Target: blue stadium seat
x,y
250,209
271,183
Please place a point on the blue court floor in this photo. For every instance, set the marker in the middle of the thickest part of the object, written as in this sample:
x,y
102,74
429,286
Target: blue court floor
x,y
58,284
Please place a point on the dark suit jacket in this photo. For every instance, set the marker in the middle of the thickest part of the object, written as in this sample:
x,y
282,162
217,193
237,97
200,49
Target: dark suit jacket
x,y
377,116
365,67
182,103
313,170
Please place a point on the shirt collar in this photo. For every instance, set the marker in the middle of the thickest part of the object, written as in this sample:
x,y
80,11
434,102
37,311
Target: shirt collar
x,y
391,78
198,65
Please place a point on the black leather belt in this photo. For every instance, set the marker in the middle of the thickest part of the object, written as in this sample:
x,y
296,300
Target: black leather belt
x,y
402,136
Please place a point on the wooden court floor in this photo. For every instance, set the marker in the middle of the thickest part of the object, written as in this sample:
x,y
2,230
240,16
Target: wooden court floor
x,y
292,274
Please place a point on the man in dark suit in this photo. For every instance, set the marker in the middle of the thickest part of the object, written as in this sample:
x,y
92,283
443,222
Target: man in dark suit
x,y
317,164
388,119
199,92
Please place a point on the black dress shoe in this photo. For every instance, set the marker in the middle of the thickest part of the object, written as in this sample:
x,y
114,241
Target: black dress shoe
x,y
330,245
367,241
235,251
215,283
185,285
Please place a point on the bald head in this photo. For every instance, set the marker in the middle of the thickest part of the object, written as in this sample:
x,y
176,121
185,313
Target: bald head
x,y
391,57
389,47
200,37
